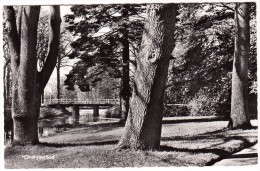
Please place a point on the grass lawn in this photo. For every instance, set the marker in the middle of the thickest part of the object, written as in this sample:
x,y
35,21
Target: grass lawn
x,y
183,144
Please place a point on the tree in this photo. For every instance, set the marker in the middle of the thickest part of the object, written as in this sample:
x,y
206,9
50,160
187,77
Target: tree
x,y
27,82
64,50
201,70
239,117
143,125
42,46
8,122
7,69
42,38
42,41
109,50
6,72
205,45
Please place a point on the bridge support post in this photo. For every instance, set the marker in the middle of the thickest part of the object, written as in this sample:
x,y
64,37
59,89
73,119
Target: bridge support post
x,y
75,115
95,113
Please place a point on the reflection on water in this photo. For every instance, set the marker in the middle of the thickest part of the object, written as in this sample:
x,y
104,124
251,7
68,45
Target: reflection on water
x,y
86,115
90,112
51,126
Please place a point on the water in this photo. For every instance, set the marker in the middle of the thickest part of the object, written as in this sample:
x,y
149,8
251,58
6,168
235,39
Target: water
x,y
49,127
90,112
86,115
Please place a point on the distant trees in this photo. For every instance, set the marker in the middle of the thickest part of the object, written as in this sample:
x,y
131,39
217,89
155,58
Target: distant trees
x,y
7,62
143,125
239,99
64,50
200,70
27,82
42,38
200,73
6,69
42,47
7,82
107,37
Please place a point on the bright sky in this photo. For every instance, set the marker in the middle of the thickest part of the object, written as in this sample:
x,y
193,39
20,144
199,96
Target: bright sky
x,y
63,9
64,70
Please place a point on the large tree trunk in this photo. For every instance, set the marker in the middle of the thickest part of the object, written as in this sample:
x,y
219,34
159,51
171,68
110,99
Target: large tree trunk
x,y
7,80
52,55
27,83
53,47
143,125
125,91
8,121
58,79
24,78
239,98
42,97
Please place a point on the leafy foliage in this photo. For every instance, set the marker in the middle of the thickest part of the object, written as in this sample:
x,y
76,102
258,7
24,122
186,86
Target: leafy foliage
x,y
113,112
43,38
201,71
101,33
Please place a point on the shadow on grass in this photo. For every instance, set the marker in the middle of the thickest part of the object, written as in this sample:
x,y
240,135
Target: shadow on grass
x,y
219,152
206,119
59,145
82,128
207,135
214,148
103,128
247,155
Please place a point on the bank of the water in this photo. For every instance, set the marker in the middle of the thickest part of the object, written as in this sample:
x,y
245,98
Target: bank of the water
x,y
54,125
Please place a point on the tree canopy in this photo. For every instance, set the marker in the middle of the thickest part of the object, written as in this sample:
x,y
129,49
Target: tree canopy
x,y
202,65
100,30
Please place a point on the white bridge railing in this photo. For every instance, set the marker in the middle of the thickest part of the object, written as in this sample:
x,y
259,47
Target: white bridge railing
x,y
77,101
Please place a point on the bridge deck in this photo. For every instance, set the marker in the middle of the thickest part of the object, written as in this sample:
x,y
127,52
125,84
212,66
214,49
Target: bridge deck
x,y
86,102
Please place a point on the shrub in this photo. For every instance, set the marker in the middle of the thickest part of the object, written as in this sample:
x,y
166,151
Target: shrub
x,y
176,110
113,112
108,114
206,105
47,112
195,107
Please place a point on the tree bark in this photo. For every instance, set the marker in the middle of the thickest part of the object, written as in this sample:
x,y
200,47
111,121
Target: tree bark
x,y
27,83
143,125
8,121
24,71
42,97
53,47
58,80
239,117
125,91
7,80
52,55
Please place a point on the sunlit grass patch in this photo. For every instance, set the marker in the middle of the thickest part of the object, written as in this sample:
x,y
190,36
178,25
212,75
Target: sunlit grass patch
x,y
182,144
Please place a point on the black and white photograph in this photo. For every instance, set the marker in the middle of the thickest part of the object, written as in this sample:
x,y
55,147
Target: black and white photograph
x,y
129,84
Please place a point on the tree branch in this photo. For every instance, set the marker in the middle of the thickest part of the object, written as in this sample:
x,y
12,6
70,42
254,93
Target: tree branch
x,y
53,47
19,21
12,36
7,63
226,6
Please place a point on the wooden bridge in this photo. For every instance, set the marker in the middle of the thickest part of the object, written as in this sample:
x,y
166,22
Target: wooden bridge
x,y
86,102
77,104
